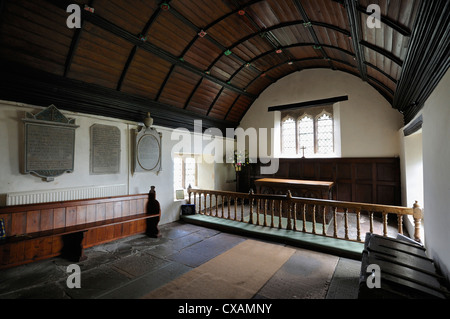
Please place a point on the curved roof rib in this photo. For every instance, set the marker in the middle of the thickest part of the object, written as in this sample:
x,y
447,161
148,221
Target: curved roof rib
x,y
212,59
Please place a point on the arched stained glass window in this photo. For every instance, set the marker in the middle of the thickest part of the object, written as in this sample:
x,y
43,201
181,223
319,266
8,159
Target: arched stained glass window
x,y
288,138
305,128
325,134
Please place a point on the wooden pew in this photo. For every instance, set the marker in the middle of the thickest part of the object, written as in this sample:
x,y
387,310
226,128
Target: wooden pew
x,y
40,231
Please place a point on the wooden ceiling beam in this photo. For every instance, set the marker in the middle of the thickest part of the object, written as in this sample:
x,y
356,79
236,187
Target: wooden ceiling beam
x,y
388,21
284,25
381,71
231,107
275,27
307,24
383,52
135,48
74,45
44,88
285,48
355,26
120,32
215,100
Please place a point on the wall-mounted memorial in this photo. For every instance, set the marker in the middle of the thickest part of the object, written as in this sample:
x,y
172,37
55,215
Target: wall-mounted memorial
x,y
49,143
105,149
147,150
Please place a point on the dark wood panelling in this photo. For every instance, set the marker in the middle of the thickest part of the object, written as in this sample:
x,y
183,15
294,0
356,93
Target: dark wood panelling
x,y
367,180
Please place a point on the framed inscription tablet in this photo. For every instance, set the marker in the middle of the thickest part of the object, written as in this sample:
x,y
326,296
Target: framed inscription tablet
x,y
147,151
49,143
105,149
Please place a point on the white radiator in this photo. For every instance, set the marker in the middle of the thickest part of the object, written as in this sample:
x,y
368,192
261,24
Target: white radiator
x,y
56,195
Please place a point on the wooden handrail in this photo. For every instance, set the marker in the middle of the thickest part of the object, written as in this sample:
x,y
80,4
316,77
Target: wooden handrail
x,y
293,210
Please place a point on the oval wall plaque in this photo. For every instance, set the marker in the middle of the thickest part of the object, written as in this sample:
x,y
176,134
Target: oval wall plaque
x,y
148,150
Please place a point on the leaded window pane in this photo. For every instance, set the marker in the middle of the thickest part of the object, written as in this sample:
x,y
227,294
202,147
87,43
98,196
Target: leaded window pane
x,y
325,134
288,142
306,135
178,172
190,171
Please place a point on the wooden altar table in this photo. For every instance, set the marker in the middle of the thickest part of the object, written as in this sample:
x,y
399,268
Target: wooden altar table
x,y
298,188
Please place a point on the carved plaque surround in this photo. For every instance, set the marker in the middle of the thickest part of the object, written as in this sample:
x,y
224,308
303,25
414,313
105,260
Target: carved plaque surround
x,y
49,144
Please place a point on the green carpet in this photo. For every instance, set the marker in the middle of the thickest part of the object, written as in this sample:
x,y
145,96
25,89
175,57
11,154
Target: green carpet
x,y
329,245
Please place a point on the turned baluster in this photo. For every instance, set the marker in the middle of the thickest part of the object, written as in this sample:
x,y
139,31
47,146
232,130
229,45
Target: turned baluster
x,y
280,208
265,212
385,222
217,206
335,222
324,220
195,200
258,203
304,218
228,207
272,209
242,209
251,206
400,223
358,225
295,216
189,193
210,205
235,208
418,215
223,207
314,219
288,205
346,222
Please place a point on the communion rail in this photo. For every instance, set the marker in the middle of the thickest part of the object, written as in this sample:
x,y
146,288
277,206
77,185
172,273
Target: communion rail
x,y
287,212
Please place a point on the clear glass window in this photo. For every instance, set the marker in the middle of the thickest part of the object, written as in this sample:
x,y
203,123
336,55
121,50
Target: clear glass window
x,y
288,139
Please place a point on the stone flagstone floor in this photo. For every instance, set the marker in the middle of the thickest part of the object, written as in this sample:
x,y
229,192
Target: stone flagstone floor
x,y
131,267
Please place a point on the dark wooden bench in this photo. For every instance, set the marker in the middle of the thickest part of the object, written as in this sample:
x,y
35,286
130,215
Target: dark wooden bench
x,y
405,271
39,231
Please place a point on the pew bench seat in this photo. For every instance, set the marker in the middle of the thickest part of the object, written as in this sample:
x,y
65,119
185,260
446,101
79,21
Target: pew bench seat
x,y
40,231
73,236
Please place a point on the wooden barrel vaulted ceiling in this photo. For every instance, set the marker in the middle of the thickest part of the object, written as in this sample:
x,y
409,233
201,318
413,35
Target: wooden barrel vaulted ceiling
x,y
210,59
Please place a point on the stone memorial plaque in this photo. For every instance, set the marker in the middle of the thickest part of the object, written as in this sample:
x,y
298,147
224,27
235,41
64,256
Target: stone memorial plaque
x,y
49,148
105,149
148,151
49,143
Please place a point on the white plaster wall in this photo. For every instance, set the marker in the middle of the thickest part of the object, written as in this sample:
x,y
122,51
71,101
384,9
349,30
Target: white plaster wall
x,y
436,173
411,171
368,123
219,175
